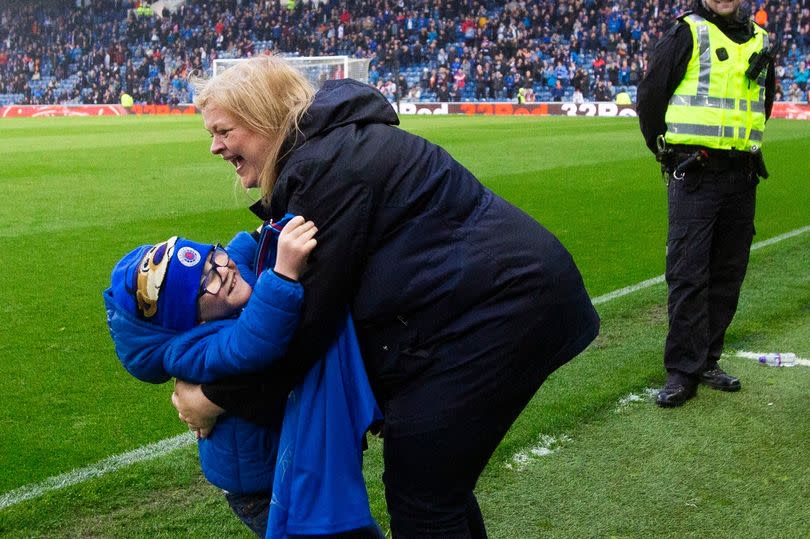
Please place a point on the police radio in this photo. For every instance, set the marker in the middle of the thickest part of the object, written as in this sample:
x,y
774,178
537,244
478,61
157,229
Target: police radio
x,y
760,60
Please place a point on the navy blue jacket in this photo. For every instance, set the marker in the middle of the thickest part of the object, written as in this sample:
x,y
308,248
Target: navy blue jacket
x,y
424,254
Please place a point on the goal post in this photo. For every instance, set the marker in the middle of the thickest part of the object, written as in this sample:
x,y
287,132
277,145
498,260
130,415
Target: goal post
x,y
316,69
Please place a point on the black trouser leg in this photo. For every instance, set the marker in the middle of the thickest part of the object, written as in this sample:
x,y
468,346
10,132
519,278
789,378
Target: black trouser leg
x,y
730,250
431,493
689,247
252,510
430,475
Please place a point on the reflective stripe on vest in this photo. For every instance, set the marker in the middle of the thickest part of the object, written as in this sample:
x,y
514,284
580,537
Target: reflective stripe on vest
x,y
716,105
715,131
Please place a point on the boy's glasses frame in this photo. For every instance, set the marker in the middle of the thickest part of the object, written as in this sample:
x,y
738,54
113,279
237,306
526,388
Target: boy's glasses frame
x,y
212,281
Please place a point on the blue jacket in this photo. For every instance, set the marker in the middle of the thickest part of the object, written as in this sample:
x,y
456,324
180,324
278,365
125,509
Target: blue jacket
x,y
238,456
317,448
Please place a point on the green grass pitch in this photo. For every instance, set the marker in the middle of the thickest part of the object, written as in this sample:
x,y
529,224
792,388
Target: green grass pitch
x,y
77,193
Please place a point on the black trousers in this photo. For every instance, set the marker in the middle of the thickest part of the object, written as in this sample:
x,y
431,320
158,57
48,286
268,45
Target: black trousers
x,y
711,226
440,431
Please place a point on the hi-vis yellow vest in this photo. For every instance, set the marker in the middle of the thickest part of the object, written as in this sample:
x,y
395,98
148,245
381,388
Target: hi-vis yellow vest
x,y
716,105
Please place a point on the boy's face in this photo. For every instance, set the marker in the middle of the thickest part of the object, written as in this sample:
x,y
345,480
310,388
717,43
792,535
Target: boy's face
x,y
226,291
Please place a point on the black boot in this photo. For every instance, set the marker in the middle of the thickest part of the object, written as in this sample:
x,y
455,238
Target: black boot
x,y
717,378
677,391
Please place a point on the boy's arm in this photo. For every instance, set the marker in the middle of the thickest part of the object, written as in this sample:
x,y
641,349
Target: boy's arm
x,y
265,327
248,344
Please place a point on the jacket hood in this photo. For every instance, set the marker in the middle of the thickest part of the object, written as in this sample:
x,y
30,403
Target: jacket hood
x,y
339,103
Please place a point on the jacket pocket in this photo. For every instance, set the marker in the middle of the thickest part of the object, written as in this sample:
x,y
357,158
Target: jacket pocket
x,y
393,354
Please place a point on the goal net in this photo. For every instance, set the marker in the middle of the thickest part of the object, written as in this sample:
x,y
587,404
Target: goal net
x,y
315,68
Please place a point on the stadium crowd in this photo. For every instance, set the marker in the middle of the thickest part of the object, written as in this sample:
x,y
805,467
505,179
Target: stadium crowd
x,y
91,51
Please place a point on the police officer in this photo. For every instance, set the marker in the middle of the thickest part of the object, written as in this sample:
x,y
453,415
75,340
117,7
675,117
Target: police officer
x,y
702,108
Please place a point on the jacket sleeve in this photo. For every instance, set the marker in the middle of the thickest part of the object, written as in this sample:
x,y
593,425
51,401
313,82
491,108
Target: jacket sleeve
x,y
242,249
668,64
248,344
339,202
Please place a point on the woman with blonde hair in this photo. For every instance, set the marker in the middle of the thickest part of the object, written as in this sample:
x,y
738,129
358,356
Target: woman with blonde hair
x,y
463,303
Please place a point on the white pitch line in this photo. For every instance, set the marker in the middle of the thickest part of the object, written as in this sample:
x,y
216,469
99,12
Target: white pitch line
x,y
660,279
108,465
163,447
780,237
627,290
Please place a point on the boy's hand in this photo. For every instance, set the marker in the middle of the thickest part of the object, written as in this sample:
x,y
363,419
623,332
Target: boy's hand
x,y
296,241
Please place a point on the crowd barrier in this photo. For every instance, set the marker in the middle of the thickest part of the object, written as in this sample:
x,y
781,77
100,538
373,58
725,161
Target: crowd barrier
x,y
794,111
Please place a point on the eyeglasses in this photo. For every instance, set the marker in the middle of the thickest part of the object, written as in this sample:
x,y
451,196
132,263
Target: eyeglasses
x,y
212,281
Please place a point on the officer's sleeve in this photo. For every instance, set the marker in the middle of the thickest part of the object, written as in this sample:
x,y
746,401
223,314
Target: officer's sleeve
x,y
667,67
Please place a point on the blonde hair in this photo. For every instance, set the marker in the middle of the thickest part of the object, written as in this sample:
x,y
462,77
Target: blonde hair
x,y
265,94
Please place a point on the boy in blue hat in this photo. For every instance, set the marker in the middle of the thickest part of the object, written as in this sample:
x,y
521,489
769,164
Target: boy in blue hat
x,y
180,309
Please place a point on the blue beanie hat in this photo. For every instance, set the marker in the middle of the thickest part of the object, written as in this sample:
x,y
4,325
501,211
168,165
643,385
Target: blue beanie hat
x,y
160,283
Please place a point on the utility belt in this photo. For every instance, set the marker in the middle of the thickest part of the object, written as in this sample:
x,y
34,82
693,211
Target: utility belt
x,y
678,160
714,160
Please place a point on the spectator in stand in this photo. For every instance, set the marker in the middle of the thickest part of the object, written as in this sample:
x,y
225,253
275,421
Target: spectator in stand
x,y
602,93
443,93
460,80
101,35
761,16
582,82
801,75
557,92
795,94
498,91
482,82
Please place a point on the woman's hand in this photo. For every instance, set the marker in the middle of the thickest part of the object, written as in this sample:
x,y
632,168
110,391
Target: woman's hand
x,y
296,241
194,408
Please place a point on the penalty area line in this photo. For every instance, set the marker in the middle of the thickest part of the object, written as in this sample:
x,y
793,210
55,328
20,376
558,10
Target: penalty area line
x,y
165,446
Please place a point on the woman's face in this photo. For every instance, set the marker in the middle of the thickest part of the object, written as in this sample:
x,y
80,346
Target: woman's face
x,y
244,149
226,292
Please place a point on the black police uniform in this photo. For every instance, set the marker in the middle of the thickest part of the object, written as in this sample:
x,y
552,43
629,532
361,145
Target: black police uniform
x,y
711,212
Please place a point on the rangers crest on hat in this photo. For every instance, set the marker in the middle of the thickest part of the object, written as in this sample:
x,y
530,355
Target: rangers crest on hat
x,y
189,256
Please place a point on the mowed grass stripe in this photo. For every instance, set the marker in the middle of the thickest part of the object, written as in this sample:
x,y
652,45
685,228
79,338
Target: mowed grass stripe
x,y
106,466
